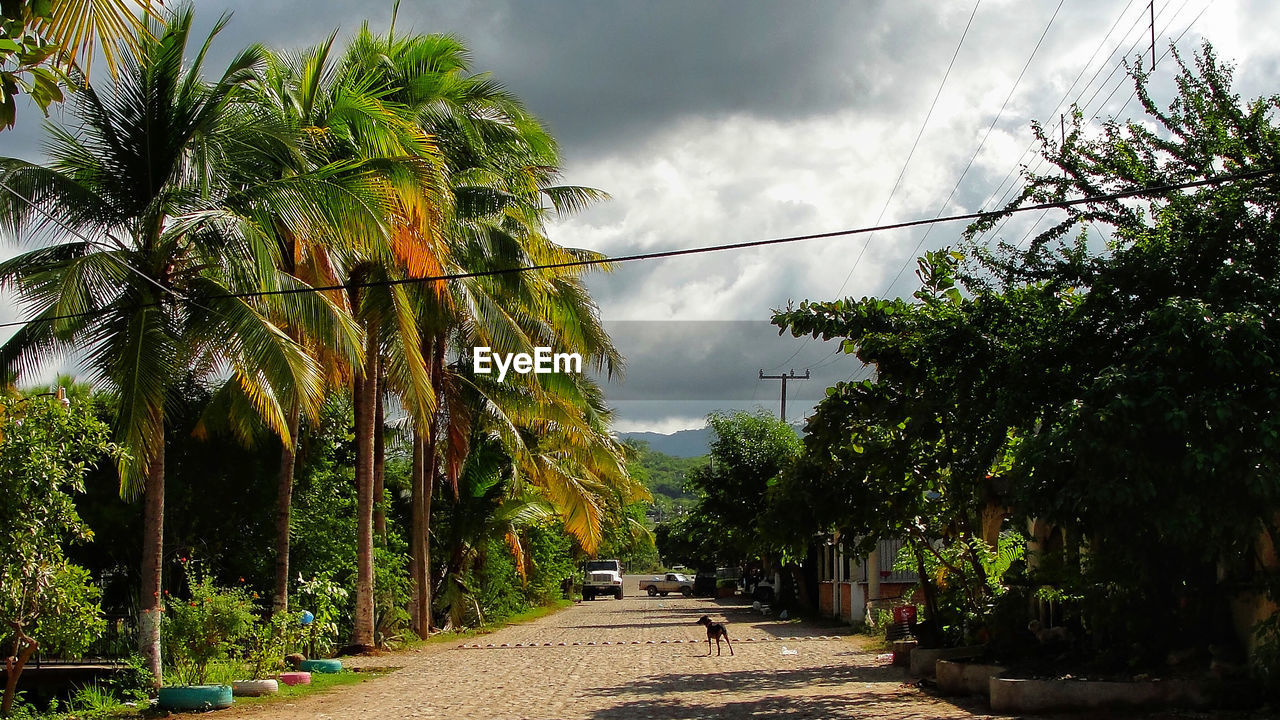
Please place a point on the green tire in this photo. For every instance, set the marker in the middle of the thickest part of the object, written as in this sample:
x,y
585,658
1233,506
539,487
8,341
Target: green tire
x,y
321,666
195,697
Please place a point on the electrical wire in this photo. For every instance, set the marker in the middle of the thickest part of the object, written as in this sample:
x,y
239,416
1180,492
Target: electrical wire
x,y
684,252
903,171
1039,160
942,208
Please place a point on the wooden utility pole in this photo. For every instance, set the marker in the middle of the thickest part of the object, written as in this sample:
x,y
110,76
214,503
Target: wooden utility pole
x,y
784,378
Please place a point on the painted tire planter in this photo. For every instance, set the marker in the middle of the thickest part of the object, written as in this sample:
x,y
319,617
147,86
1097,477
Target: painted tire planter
x,y
321,666
195,697
295,678
254,688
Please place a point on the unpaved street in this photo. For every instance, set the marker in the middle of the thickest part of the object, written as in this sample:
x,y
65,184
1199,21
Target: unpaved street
x,y
648,661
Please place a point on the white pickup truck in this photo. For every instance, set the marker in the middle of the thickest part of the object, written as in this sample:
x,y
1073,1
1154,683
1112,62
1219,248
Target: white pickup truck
x,y
671,582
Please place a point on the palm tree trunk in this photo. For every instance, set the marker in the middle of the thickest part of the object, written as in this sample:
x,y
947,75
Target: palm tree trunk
x,y
365,389
284,502
420,613
379,461
150,602
424,477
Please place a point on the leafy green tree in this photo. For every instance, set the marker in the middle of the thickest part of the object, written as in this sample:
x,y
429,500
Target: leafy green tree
x,y
1161,448
1115,387
46,602
748,455
920,450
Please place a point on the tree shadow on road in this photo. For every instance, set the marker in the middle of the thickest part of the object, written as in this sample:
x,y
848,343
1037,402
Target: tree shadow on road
x,y
864,704
758,681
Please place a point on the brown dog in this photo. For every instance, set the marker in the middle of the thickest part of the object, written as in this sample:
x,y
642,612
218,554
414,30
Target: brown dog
x,y
715,631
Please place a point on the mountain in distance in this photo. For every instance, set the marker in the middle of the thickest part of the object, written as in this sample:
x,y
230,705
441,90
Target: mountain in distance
x,y
681,443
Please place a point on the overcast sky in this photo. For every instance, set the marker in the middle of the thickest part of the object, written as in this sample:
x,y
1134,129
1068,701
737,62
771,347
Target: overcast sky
x,y
718,122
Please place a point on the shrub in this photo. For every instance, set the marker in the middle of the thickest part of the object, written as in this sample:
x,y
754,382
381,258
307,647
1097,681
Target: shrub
x,y
204,628
326,600
263,645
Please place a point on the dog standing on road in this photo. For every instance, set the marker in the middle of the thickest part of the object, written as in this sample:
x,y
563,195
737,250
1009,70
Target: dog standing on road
x,y
715,631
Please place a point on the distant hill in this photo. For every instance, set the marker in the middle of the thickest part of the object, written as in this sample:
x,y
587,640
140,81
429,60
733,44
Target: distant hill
x,y
682,443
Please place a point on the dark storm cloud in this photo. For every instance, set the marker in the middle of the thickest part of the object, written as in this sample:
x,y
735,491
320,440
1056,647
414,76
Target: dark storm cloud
x,y
606,75
714,362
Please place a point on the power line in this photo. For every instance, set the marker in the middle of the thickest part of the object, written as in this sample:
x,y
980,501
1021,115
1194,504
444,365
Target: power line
x,y
1118,66
903,171
942,208
1058,108
664,254
914,144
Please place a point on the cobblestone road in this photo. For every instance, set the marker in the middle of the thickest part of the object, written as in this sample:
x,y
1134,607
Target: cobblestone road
x,y
670,677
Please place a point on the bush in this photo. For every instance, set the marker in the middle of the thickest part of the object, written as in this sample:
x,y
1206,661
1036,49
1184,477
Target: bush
x,y
326,600
198,631
263,646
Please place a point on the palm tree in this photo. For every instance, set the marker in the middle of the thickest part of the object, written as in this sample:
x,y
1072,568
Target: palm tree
x,y
157,212
391,167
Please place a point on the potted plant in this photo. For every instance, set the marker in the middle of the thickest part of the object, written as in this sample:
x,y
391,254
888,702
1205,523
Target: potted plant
x,y
196,633
263,645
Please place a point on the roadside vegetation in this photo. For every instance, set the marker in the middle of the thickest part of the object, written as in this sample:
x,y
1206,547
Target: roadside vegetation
x,y
310,470
1083,423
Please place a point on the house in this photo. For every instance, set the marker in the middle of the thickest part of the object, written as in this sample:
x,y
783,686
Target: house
x,y
851,587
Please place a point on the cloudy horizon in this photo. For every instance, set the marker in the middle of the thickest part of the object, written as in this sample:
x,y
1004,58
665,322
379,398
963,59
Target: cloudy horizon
x,y
729,121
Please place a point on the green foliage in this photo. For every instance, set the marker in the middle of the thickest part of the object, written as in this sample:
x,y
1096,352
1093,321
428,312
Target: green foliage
x,y
1119,388
204,627
497,583
665,477
46,602
749,454
263,645
29,62
549,550
392,589
328,602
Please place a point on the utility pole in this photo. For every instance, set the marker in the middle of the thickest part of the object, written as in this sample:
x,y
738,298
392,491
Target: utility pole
x,y
784,378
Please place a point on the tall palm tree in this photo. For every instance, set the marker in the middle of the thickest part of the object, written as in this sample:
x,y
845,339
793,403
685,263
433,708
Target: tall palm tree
x,y
391,166
157,212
